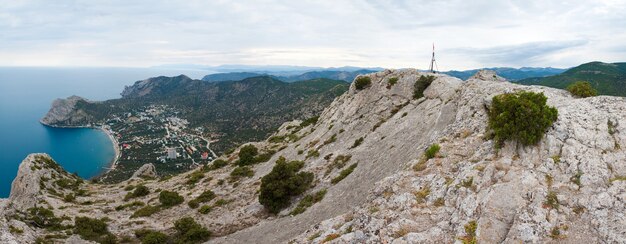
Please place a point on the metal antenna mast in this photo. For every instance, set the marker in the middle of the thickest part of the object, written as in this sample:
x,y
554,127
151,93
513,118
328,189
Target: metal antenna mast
x,y
433,65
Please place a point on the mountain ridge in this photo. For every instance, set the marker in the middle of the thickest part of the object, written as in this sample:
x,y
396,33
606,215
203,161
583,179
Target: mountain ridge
x,y
569,187
607,78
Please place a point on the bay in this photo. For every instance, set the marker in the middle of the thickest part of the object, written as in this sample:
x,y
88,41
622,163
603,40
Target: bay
x,y
25,96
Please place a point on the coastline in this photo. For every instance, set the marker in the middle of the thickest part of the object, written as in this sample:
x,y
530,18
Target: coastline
x,y
111,165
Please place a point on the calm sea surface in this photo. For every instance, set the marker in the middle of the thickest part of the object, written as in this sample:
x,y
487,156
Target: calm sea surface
x,y
26,95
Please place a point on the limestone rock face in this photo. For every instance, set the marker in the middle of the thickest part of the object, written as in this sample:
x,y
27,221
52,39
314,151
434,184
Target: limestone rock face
x,y
146,170
63,113
26,186
568,188
487,75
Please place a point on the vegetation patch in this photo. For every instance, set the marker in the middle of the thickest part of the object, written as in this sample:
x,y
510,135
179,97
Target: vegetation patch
x,y
362,82
139,191
241,172
189,231
523,117
392,82
130,205
312,154
93,230
357,142
309,121
170,198
145,211
205,209
194,177
343,174
43,218
421,84
582,89
330,140
421,195
151,236
308,201
576,178
380,122
206,196
282,183
470,233
247,154
552,201
432,151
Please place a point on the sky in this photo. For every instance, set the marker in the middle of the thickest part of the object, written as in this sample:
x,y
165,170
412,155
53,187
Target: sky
x,y
365,33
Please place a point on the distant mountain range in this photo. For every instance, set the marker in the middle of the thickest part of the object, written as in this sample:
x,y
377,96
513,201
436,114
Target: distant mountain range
x,y
345,75
297,73
511,74
607,78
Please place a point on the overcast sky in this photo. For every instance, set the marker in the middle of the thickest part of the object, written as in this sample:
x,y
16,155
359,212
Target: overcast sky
x,y
391,34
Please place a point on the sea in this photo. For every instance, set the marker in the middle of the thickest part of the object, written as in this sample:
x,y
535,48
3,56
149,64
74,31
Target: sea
x,y
26,94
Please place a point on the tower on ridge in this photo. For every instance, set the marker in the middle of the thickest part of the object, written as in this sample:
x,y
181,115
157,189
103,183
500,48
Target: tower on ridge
x,y
433,65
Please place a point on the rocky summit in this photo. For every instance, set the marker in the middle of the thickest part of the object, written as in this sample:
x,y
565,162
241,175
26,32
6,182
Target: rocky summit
x,y
389,166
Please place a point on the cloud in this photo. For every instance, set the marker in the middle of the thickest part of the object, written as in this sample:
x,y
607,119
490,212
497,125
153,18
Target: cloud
x,y
387,33
519,54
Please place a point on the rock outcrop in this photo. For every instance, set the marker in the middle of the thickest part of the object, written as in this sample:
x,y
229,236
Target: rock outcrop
x,y
146,170
571,187
63,112
486,75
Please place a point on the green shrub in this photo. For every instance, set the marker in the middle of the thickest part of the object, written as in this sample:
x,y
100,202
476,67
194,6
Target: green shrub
x,y
170,198
276,139
357,142
421,84
582,89
188,231
93,230
42,218
312,154
282,183
69,197
68,183
523,117
362,82
343,174
432,151
241,172
308,201
330,140
152,237
205,209
206,196
391,82
139,191
264,157
145,211
309,121
247,154
219,163
194,177
130,205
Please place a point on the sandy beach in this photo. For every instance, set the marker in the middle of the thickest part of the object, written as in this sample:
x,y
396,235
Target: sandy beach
x,y
116,147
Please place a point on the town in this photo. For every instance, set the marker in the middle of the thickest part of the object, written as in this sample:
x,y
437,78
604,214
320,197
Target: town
x,y
155,134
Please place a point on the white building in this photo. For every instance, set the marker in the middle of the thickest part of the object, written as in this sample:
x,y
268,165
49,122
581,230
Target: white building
x,y
171,153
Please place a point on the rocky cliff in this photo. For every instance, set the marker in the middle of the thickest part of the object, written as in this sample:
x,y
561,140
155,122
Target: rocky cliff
x,y
569,188
63,112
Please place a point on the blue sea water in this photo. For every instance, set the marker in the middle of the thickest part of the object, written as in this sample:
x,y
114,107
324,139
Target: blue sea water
x,y
26,95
